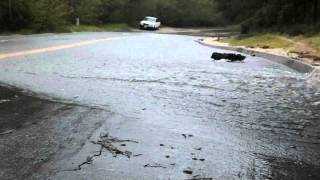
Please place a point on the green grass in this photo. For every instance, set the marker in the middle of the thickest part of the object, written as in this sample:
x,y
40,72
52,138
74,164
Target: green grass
x,y
314,41
271,40
73,28
102,28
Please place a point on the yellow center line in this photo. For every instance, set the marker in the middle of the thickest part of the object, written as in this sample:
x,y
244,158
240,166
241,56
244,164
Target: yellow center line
x,y
56,48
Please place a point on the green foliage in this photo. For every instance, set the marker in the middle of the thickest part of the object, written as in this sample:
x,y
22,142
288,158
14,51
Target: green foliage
x,y
292,16
48,15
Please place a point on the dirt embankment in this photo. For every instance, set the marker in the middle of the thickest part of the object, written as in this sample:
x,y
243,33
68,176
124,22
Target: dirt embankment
x,y
299,50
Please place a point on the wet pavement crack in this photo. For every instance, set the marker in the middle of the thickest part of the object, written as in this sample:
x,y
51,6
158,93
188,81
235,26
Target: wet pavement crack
x,y
88,161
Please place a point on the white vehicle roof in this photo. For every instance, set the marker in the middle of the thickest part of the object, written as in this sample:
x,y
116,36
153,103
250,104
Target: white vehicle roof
x,y
149,17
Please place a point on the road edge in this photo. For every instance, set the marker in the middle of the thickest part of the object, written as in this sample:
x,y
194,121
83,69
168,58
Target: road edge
x,y
312,73
287,61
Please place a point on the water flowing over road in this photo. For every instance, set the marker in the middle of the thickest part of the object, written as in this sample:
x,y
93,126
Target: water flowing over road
x,y
184,115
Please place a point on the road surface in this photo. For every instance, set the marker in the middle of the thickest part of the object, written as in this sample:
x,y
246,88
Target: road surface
x,y
150,106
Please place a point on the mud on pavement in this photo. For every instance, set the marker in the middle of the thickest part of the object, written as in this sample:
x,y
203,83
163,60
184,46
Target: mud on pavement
x,y
35,133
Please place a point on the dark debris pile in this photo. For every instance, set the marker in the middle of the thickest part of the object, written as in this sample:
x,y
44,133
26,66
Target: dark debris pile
x,y
230,57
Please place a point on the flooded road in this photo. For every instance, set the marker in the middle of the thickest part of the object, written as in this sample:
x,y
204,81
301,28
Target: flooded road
x,y
184,116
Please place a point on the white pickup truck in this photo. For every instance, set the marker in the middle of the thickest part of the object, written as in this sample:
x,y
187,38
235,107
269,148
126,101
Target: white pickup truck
x,y
150,23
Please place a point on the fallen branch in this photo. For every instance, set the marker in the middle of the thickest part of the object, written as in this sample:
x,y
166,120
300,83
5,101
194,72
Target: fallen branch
x,y
155,166
106,142
7,132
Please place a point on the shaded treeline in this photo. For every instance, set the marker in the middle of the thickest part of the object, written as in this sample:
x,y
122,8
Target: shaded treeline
x,y
48,15
42,15
293,16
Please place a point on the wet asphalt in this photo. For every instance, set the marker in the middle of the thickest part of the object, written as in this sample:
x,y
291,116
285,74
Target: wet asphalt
x,y
183,115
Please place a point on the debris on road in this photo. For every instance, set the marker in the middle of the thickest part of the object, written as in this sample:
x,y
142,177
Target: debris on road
x,y
228,56
137,155
7,132
186,135
199,178
156,165
106,142
187,171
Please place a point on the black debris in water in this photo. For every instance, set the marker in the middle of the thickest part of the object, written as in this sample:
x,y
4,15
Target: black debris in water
x,y
137,155
195,178
228,56
186,135
187,171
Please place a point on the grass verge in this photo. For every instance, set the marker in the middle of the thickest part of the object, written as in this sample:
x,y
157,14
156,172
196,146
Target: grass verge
x,y
260,40
306,47
102,28
73,28
314,41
